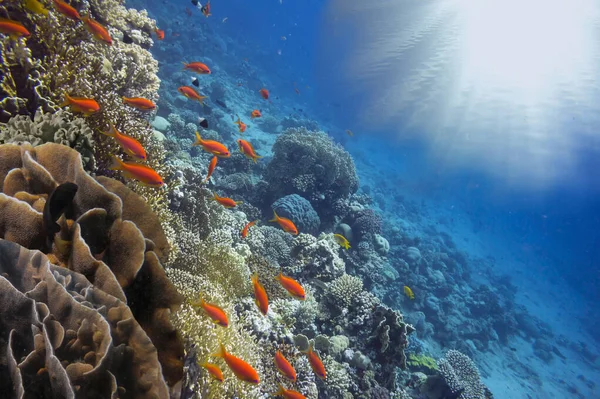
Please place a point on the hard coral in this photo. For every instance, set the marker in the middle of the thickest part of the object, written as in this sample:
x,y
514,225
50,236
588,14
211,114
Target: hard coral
x,y
300,211
461,376
111,252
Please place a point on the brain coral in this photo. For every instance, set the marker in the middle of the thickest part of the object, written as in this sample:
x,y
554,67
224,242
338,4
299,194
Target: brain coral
x,y
310,164
61,337
116,255
300,211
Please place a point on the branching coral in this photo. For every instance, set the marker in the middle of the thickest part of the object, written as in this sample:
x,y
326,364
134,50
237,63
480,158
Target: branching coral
x,y
317,257
461,376
345,289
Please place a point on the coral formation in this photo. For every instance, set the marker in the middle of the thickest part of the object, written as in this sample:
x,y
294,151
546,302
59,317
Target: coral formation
x,y
300,211
461,376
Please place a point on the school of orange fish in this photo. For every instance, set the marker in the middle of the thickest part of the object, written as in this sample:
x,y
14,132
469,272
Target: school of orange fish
x,y
149,177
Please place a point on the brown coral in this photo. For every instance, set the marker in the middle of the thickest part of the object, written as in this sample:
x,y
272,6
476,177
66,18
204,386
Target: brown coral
x,y
111,252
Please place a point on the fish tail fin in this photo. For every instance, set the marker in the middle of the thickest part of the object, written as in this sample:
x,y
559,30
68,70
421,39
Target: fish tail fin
x,y
255,158
112,132
116,163
184,64
66,101
221,352
215,196
275,217
280,391
198,140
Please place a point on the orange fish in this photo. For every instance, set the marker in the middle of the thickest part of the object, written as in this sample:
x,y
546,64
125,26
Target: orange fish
x,y
255,114
291,286
67,10
214,147
140,103
240,368
316,363
206,9
211,167
213,311
213,370
130,145
247,149
13,29
288,393
197,67
226,202
285,367
241,125
192,94
260,295
144,174
86,106
97,30
286,224
247,227
160,34
264,93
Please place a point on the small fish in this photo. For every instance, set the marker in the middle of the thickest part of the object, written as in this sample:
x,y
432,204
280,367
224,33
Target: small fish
x,y
217,315
247,227
291,286
191,93
203,122
195,82
240,368
241,125
97,30
160,34
224,20
66,10
255,114
130,145
197,67
86,106
225,201
409,293
214,371
260,295
140,103
286,224
13,29
315,363
247,149
264,93
211,167
349,133
36,7
214,147
340,239
206,9
283,38
288,393
284,367
144,174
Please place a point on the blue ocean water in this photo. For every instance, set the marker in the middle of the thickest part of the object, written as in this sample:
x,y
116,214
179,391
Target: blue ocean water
x,y
456,134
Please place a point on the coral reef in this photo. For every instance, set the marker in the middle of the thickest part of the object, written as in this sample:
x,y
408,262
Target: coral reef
x,y
300,211
461,376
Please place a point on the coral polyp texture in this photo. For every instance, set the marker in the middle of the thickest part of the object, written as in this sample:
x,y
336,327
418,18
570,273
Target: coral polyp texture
x,y
97,236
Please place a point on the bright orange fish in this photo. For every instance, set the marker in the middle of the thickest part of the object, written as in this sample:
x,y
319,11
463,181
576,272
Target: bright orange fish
x,y
160,34
197,67
213,311
247,227
316,363
211,167
67,10
97,30
86,106
130,145
264,93
140,103
144,174
247,149
285,367
241,125
214,371
260,295
286,224
288,393
191,94
291,286
13,29
226,202
255,114
240,368
214,147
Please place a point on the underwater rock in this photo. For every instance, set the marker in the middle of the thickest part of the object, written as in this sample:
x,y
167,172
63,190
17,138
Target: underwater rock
x,y
161,124
381,245
300,211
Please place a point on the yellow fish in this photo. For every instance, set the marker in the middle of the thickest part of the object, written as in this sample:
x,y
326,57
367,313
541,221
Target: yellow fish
x,y
36,7
340,239
409,293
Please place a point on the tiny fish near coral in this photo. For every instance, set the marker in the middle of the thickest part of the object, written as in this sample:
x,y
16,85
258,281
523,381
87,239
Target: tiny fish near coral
x,y
340,239
264,93
247,227
189,93
36,7
213,311
211,168
214,371
286,224
315,363
291,286
288,393
130,145
260,295
98,31
284,367
247,149
198,67
86,106
13,29
214,147
66,10
140,103
241,125
144,174
225,201
160,34
255,114
409,293
240,368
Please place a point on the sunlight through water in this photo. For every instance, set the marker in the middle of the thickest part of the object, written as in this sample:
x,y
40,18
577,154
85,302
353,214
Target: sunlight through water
x,y
507,85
